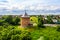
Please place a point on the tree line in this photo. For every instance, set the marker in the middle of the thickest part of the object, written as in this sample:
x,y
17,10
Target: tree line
x,y
9,20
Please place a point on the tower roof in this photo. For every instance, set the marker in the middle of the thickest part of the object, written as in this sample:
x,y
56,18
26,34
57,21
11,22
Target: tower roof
x,y
25,15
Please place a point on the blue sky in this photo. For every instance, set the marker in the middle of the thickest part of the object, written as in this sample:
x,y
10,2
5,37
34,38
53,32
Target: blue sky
x,y
9,5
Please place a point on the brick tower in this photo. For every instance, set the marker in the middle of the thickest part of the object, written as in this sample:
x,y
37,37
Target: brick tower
x,y
25,20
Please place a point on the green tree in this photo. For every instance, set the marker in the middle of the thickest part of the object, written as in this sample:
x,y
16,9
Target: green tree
x,y
26,35
15,37
9,19
1,22
40,21
16,20
49,19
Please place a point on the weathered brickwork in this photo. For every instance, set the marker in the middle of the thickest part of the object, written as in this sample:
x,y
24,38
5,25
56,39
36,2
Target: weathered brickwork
x,y
25,21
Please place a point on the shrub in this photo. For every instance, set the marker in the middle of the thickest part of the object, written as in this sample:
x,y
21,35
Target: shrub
x,y
10,20
15,37
58,28
5,25
40,22
49,20
16,21
26,36
1,22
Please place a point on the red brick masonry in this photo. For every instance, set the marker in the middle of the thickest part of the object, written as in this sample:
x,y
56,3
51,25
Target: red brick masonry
x,y
25,21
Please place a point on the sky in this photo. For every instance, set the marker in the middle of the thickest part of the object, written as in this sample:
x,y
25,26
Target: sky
x,y
16,6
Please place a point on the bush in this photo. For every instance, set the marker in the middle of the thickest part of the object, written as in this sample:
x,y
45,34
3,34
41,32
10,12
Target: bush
x,y
5,25
1,22
49,20
40,22
15,37
26,35
34,19
10,20
58,28
16,21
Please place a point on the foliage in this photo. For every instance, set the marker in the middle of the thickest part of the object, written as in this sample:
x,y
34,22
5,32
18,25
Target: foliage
x,y
16,20
1,22
49,20
58,28
49,33
11,33
26,35
10,20
15,37
40,22
33,19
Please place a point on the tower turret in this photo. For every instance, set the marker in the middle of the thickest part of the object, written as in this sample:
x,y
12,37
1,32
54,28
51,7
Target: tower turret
x,y
25,20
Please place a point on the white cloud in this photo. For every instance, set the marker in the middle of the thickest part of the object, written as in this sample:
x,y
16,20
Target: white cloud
x,y
45,7
32,7
31,4
40,7
21,7
54,7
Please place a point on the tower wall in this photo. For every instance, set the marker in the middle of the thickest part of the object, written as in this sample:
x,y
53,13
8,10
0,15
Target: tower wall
x,y
25,21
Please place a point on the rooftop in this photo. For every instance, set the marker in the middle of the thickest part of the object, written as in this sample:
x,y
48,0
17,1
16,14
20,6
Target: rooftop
x,y
25,15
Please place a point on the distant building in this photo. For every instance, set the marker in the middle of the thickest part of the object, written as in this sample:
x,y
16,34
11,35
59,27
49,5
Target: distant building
x,y
25,20
54,20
